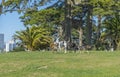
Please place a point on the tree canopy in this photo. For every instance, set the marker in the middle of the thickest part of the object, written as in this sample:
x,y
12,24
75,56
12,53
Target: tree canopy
x,y
73,16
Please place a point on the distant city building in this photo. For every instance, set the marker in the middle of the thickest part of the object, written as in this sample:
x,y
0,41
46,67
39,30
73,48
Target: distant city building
x,y
1,42
10,45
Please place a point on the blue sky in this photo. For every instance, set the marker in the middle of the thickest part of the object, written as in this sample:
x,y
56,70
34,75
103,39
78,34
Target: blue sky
x,y
9,23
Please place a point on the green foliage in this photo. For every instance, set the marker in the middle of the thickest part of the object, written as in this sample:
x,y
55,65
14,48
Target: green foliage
x,y
105,7
18,49
112,29
22,5
46,18
75,34
51,15
34,38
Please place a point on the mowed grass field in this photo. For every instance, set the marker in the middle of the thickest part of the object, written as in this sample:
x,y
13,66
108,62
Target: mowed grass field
x,y
47,64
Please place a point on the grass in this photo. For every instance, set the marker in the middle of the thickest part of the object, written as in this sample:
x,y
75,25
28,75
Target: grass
x,y
47,64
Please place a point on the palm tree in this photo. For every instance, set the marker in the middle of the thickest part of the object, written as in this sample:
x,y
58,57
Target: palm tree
x,y
33,37
112,30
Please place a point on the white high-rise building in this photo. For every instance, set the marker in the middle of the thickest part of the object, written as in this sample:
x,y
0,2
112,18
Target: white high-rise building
x,y
1,42
10,46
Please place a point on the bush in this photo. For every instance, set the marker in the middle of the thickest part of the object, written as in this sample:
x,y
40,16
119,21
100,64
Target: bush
x,y
17,49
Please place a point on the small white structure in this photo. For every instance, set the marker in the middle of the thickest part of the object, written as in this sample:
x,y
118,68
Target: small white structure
x,y
65,45
10,45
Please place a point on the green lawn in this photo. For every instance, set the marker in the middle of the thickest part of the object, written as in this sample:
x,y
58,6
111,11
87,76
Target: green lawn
x,y
47,64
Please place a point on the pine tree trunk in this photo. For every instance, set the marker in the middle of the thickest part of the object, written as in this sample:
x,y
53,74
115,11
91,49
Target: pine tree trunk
x,y
89,25
98,33
80,33
99,24
68,22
